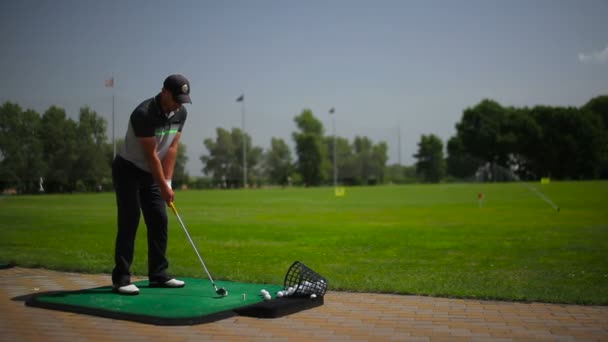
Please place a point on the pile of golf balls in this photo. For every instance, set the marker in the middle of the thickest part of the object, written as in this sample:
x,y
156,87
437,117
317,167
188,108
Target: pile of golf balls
x,y
305,288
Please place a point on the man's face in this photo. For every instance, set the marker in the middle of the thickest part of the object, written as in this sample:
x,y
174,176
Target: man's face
x,y
170,105
174,104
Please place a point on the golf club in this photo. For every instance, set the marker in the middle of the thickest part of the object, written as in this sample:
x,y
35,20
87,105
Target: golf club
x,y
221,291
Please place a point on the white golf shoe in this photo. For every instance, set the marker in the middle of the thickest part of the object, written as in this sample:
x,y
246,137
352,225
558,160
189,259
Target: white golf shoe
x,y
126,289
171,283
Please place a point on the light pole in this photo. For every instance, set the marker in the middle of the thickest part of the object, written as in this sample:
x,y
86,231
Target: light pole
x,y
333,124
399,143
113,120
110,84
241,99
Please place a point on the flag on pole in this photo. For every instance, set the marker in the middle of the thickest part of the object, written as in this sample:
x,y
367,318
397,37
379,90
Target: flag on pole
x,y
332,110
110,82
241,98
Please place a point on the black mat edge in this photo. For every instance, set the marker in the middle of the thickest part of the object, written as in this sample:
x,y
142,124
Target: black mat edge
x,y
5,266
275,308
279,307
34,302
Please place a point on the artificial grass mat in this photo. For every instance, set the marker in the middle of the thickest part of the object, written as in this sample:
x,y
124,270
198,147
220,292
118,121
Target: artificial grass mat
x,y
196,303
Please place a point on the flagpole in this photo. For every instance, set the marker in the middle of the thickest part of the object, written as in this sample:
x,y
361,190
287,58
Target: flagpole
x,y
333,124
244,144
241,99
113,120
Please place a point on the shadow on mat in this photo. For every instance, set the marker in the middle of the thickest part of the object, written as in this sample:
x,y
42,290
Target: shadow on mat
x,y
4,266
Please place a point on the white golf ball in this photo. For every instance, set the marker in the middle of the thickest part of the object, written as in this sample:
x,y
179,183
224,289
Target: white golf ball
x,y
267,296
263,292
313,296
280,294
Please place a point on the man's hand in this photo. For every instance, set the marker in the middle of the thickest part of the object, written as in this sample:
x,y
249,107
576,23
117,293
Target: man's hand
x,y
156,168
166,193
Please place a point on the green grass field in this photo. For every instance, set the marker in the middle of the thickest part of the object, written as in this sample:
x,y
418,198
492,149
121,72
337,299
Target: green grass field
x,y
415,239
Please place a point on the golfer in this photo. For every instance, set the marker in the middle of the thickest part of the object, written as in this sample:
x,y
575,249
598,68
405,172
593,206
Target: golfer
x,y
141,173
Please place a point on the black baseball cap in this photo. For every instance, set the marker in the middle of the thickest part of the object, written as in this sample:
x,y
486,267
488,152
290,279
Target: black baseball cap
x,y
179,87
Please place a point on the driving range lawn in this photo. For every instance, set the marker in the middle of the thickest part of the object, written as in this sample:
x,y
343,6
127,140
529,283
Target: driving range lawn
x,y
435,240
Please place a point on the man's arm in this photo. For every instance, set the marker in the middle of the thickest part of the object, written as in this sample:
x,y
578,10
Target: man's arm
x,y
156,168
169,161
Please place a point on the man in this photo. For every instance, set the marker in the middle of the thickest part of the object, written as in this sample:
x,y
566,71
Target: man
x,y
141,173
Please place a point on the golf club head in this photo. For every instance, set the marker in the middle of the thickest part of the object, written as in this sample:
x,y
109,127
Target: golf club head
x,y
222,292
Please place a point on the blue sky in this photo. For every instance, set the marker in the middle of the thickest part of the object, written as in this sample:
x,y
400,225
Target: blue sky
x,y
386,66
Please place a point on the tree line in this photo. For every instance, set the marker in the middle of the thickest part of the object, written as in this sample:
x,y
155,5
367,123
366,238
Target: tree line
x,y
492,142
499,143
359,162
52,151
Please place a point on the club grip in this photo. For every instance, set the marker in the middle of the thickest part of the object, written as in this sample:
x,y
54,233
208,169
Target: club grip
x,y
173,208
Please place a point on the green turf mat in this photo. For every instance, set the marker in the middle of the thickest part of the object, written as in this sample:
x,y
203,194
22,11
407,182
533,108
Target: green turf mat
x,y
193,304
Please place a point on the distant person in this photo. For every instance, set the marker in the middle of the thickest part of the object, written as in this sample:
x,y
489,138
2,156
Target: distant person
x,y
141,173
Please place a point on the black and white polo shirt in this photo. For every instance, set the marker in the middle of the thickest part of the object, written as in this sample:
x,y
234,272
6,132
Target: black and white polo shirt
x,y
148,120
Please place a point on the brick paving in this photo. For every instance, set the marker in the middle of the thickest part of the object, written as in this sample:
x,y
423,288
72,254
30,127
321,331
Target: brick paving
x,y
343,317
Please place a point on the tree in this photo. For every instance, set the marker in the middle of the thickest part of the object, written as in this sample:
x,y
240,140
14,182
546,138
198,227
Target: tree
x,y
60,150
570,146
370,160
525,138
480,131
222,162
310,159
599,107
253,155
180,175
558,142
460,163
430,165
225,160
21,163
279,166
363,155
345,160
310,150
90,166
394,174
400,174
379,158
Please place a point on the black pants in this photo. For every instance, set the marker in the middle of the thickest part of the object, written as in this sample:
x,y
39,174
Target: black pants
x,y
136,192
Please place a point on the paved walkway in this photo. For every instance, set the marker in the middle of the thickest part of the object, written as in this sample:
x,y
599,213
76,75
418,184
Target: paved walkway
x,y
344,317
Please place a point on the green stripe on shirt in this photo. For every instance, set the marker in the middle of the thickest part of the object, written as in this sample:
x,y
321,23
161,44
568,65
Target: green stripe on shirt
x,y
165,132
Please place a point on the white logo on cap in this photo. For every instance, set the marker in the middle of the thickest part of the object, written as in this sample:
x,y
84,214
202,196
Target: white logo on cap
x,y
185,89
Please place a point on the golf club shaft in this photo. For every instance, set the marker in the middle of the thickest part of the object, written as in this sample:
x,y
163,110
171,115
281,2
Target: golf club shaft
x,y
192,243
